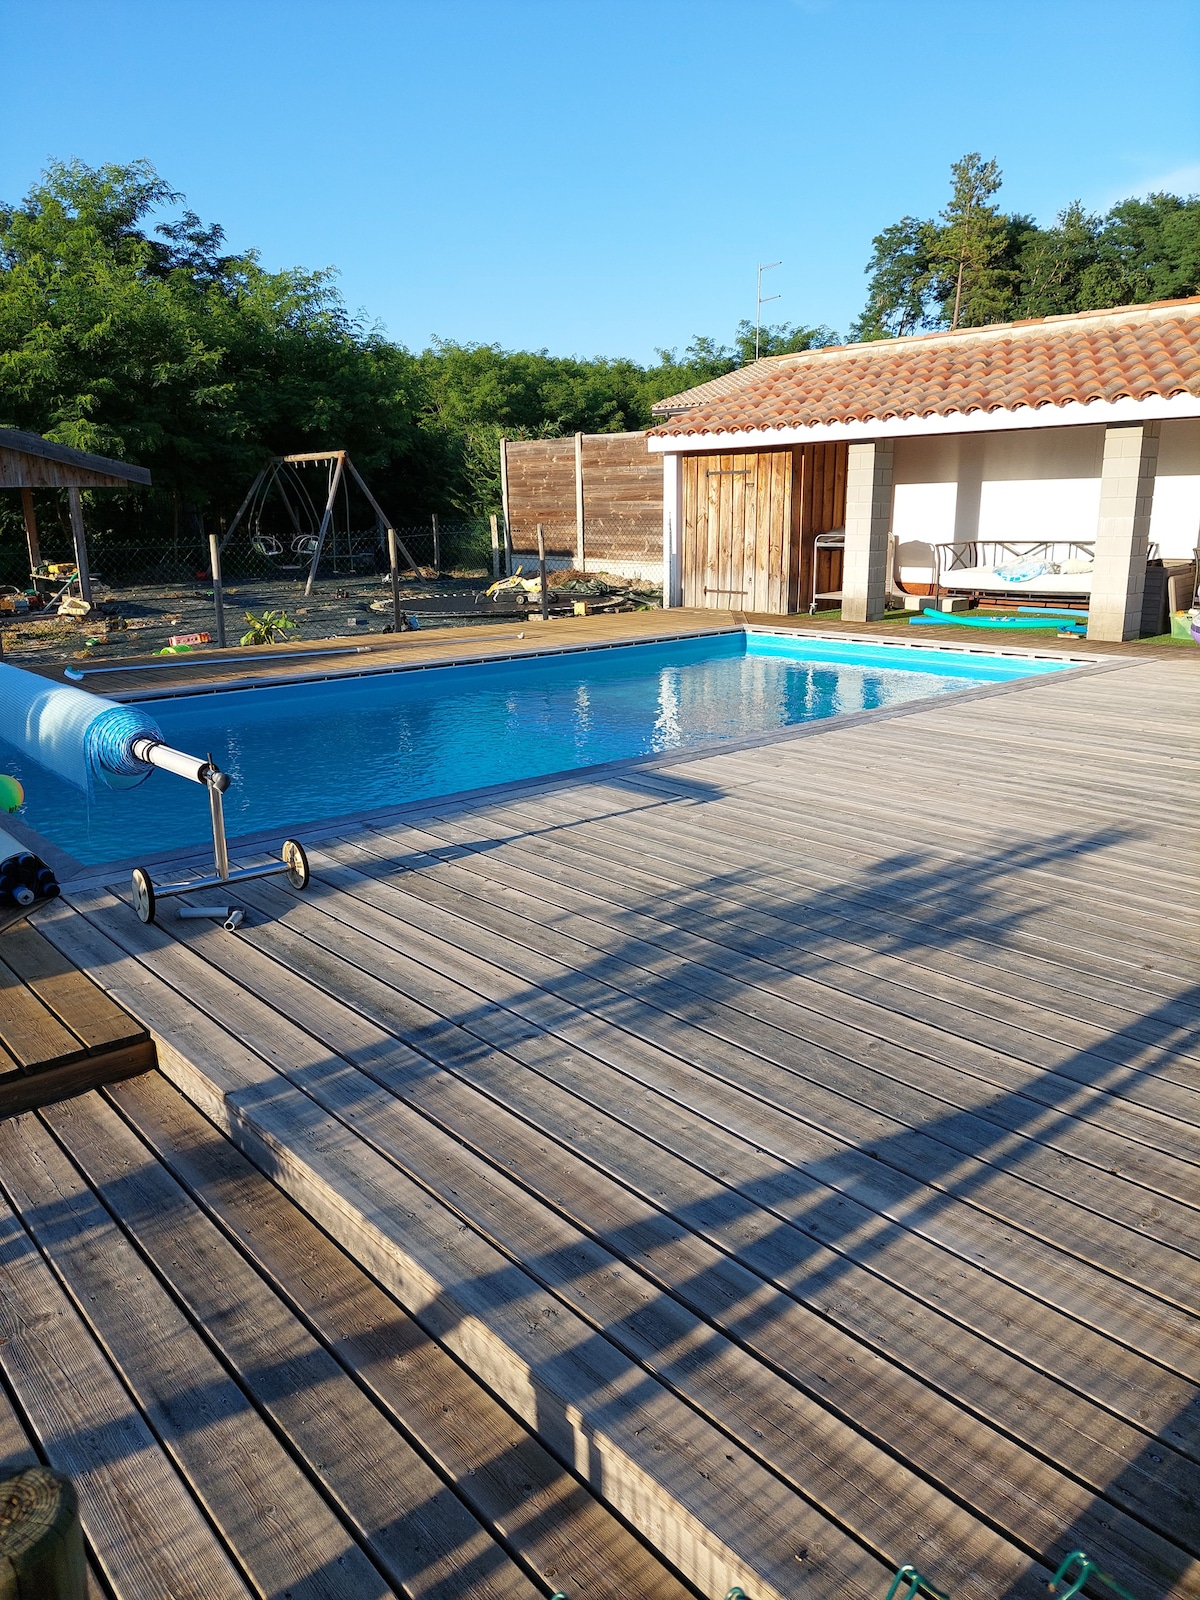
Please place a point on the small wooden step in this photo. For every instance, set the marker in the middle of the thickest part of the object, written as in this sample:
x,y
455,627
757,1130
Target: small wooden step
x,y
60,1034
290,1425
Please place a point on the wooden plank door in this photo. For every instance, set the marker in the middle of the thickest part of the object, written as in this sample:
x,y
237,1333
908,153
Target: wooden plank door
x,y
737,530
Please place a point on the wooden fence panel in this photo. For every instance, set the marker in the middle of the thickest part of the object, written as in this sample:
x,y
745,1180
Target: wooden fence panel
x,y
610,477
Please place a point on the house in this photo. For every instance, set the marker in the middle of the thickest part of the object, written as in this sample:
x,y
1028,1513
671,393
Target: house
x,y
1080,430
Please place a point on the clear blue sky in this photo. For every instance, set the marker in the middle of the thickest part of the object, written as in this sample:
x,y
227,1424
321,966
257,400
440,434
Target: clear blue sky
x,y
599,176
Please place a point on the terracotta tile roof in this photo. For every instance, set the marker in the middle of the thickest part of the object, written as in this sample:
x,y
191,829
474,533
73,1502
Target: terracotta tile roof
x,y
716,388
1132,352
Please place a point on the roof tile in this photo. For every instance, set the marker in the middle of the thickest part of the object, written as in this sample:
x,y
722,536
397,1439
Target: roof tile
x,y
1134,351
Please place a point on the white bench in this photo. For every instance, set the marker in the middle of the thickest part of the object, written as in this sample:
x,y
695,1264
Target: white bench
x,y
1027,569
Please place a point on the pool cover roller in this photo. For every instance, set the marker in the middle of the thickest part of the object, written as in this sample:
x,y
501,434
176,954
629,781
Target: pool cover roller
x,y
84,739
78,736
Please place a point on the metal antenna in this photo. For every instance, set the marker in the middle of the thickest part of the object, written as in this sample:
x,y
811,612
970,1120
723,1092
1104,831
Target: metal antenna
x,y
760,302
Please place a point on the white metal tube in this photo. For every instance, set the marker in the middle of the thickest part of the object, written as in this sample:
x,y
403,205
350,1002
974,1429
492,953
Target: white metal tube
x,y
155,754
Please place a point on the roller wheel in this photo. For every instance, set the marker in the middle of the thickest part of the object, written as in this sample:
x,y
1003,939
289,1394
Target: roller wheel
x,y
143,894
296,862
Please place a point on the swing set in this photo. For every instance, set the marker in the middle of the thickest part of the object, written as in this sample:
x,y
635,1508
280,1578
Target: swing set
x,y
283,480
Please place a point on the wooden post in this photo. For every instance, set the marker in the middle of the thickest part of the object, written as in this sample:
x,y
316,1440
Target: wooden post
x,y
31,529
541,539
508,549
394,575
580,557
242,509
495,551
334,483
81,560
214,562
504,505
437,548
383,521
41,1542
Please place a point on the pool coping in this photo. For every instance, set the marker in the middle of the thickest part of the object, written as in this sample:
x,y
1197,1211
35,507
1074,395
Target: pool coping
x,y
472,658
76,875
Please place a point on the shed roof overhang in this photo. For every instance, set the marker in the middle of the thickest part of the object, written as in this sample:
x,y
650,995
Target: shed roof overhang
x,y
27,461
1001,420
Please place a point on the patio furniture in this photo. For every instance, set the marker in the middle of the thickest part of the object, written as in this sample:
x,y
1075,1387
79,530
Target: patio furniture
x,y
1005,569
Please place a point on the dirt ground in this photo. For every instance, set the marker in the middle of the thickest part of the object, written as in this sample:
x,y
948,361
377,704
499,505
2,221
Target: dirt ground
x,y
138,619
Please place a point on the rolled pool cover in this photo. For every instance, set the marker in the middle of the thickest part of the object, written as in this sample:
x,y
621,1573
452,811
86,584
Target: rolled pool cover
x,y
76,735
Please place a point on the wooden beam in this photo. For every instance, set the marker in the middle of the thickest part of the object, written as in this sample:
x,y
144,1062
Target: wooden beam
x,y
334,485
80,537
579,510
31,529
52,1084
379,512
242,509
504,504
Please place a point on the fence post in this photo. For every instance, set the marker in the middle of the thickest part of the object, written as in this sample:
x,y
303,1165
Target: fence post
x,y
394,574
80,537
214,561
508,547
580,557
437,548
495,551
541,538
31,529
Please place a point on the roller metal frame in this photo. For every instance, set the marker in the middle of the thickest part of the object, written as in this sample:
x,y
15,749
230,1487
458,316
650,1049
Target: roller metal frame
x,y
293,863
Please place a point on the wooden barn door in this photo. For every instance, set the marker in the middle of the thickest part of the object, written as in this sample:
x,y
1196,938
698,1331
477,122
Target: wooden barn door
x,y
737,526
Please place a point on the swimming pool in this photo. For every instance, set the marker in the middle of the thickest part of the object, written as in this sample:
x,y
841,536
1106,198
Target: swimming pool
x,y
335,747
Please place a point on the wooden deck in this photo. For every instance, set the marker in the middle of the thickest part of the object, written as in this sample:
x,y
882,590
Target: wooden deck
x,y
59,1032
803,1141
275,1423
150,676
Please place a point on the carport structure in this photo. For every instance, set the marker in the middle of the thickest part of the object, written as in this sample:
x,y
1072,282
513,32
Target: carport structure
x,y
29,462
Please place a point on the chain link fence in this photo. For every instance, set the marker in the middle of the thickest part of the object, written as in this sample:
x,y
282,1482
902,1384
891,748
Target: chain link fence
x,y
148,595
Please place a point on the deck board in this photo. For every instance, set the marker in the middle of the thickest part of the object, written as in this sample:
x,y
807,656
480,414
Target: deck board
x,y
60,1033
828,1107
898,1046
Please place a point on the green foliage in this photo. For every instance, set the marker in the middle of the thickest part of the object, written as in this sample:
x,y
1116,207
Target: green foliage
x,y
268,628
976,264
128,327
970,279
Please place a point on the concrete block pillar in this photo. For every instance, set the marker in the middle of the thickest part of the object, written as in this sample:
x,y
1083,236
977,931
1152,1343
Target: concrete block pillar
x,y
868,521
1123,530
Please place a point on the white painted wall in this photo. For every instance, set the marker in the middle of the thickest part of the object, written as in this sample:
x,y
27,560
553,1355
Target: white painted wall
x,y
1036,484
1175,517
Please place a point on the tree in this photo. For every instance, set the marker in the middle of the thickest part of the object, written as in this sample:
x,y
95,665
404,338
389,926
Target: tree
x,y
977,264
781,340
1054,262
902,270
970,276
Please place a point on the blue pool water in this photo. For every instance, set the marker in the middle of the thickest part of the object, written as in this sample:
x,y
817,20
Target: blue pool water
x,y
317,750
